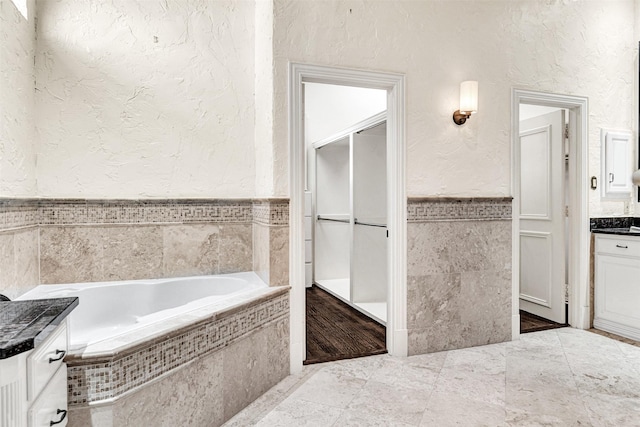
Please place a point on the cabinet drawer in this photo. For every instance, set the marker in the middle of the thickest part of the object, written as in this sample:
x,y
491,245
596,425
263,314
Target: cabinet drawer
x,y
51,406
618,246
45,360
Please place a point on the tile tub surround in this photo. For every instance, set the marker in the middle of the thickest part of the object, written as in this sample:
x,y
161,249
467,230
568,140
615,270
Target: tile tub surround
x,y
19,246
199,374
96,240
459,273
271,240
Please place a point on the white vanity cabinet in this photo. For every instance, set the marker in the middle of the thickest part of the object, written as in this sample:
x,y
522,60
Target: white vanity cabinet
x,y
617,285
33,384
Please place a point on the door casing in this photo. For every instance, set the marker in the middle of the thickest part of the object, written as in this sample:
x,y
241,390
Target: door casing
x,y
394,84
578,228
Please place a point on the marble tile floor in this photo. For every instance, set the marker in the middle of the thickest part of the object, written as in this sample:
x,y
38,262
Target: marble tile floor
x,y
558,377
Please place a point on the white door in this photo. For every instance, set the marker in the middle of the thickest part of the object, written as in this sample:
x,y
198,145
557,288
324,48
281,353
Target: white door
x,y
541,211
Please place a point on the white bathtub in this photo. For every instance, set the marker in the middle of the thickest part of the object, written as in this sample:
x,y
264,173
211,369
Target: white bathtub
x,y
116,315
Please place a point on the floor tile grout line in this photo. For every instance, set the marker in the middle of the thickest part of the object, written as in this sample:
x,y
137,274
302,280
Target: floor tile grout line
x,y
581,395
433,387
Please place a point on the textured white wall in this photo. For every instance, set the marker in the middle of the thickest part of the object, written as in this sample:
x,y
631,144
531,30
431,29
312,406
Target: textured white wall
x,y
147,98
572,47
17,50
263,131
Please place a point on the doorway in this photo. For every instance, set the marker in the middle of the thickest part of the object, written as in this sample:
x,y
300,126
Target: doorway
x,y
550,224
345,221
393,84
543,213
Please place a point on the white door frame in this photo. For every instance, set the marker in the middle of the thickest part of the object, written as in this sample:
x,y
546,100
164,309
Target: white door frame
x,y
396,211
578,202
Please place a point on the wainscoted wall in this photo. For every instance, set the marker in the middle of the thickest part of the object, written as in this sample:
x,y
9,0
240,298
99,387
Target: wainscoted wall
x,y
84,241
71,241
459,273
19,247
271,240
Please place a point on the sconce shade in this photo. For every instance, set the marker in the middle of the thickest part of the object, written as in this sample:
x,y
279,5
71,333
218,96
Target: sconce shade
x,y
469,97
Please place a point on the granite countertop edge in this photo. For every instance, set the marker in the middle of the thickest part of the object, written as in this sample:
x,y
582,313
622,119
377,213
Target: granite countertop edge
x,y
618,231
31,336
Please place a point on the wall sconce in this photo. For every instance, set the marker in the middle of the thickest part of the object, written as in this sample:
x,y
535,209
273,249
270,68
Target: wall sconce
x,y
468,102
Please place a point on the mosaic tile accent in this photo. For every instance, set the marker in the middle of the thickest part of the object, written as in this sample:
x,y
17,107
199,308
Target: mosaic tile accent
x,y
18,213
99,379
457,209
15,213
271,211
144,212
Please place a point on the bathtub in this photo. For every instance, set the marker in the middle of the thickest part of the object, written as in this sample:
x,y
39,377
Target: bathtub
x,y
115,315
128,339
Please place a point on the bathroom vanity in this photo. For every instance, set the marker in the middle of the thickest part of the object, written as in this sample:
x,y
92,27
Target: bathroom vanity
x,y
617,282
33,375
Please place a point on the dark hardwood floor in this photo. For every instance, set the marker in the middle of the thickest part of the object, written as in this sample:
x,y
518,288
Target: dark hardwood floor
x,y
336,331
532,323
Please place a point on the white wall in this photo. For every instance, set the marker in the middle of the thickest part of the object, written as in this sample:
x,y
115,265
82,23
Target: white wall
x,y
141,99
17,50
263,132
120,115
584,48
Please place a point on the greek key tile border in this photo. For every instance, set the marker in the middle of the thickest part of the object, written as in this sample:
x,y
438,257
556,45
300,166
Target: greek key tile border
x,y
16,213
112,377
271,211
458,209
144,212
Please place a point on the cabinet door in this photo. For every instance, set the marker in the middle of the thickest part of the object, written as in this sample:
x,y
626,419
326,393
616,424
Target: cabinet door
x,y
617,295
616,159
51,406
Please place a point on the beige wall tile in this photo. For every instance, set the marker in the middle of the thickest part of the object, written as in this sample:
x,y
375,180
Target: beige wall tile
x,y
459,284
457,246
261,251
236,248
279,256
70,254
247,373
8,266
98,416
131,252
19,261
190,396
190,250
27,253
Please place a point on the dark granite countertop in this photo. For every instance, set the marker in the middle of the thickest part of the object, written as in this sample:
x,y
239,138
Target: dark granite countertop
x,y
25,324
614,225
619,231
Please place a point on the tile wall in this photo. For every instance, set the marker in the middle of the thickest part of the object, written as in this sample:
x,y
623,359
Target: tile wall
x,y
271,240
71,241
19,247
200,374
459,273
